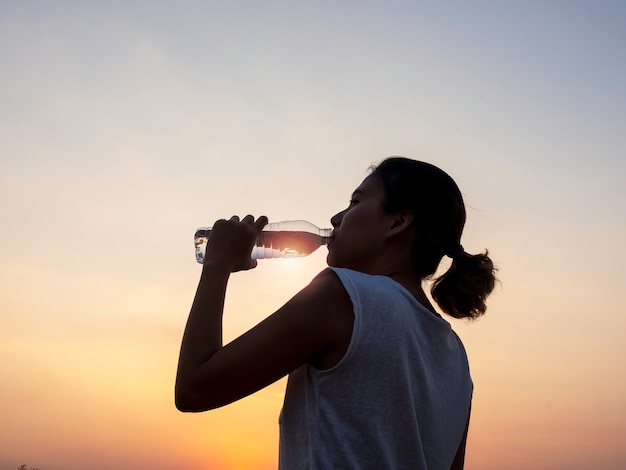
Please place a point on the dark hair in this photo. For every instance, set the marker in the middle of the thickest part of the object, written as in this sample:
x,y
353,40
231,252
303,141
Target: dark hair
x,y
439,216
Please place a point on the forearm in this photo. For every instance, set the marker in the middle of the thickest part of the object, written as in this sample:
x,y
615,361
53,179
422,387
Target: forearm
x,y
203,332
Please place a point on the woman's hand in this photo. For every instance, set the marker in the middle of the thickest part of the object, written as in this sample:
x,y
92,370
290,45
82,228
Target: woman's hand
x,y
231,242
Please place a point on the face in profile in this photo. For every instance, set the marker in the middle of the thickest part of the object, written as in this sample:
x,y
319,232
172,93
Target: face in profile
x,y
358,230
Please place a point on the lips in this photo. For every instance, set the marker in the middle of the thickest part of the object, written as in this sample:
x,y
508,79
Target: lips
x,y
331,240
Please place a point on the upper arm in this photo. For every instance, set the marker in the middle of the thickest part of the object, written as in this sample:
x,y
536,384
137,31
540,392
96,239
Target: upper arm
x,y
315,322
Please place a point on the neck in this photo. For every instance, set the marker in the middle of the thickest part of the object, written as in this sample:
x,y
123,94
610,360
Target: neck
x,y
413,283
401,271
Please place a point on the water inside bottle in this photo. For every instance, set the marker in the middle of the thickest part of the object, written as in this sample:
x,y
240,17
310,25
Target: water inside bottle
x,y
200,240
290,244
271,244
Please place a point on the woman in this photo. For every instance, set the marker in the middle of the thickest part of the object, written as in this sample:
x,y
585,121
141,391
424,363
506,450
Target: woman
x,y
377,379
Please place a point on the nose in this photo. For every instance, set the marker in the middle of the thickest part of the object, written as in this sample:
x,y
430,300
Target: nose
x,y
335,220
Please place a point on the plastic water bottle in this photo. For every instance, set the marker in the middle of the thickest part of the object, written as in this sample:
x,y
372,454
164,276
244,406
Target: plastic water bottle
x,y
287,239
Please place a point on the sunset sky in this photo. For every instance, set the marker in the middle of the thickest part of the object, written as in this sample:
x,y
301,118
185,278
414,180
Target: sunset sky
x,y
125,125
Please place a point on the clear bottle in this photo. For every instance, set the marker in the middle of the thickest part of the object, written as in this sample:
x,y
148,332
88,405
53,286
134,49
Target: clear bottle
x,y
287,239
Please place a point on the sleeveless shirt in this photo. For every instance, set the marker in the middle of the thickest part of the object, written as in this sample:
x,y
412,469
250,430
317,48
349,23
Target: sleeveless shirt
x,y
398,399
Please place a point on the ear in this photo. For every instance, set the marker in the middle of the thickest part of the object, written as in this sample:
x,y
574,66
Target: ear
x,y
400,222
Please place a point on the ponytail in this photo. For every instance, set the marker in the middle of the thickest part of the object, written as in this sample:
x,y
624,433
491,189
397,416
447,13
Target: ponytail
x,y
461,292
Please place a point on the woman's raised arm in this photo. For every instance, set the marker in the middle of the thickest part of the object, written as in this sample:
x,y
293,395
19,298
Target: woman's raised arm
x,y
314,326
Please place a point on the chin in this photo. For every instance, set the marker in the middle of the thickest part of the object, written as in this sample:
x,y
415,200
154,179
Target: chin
x,y
330,260
334,262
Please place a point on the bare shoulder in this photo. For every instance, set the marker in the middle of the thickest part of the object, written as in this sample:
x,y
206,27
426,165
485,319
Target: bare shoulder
x,y
327,309
324,299
325,287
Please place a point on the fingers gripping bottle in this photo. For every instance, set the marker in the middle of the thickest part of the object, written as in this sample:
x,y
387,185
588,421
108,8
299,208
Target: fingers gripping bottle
x,y
287,239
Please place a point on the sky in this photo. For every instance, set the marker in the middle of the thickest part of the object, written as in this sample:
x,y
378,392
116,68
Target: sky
x,y
124,126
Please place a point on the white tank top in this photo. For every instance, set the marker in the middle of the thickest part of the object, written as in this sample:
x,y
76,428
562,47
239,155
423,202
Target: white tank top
x,y
398,399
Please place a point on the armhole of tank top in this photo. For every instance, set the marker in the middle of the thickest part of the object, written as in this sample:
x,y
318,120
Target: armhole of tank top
x,y
348,285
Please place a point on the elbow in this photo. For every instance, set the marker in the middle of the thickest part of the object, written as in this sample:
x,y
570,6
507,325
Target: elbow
x,y
184,406
188,400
